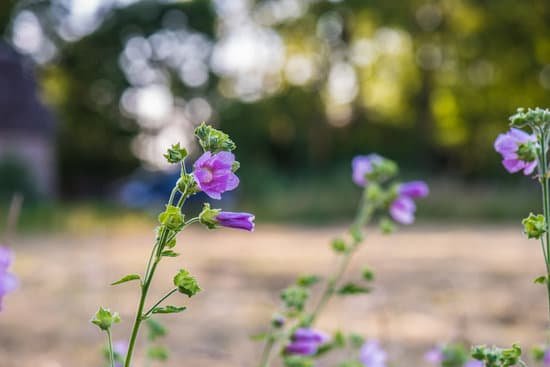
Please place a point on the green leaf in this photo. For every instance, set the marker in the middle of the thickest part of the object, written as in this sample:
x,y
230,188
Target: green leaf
x,y
298,361
339,340
170,253
541,280
127,278
352,288
186,283
157,353
307,280
168,309
368,274
259,337
156,330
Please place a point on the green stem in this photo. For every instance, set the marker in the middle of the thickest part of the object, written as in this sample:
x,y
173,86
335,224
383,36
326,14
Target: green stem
x,y
110,344
545,241
264,361
146,314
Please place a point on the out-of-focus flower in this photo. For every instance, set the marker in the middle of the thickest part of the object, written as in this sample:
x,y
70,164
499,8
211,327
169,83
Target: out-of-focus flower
x,y
120,348
473,363
306,342
362,165
372,355
236,220
518,150
214,175
402,208
546,358
8,281
434,355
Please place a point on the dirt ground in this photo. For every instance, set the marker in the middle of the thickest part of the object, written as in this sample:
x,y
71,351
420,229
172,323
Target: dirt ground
x,y
433,284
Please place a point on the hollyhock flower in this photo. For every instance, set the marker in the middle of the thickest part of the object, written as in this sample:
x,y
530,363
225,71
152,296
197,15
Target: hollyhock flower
x,y
517,150
236,220
372,355
8,282
402,209
214,175
306,342
473,363
434,355
362,165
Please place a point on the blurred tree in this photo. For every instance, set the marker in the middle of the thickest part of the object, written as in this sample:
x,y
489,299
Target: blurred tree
x,y
299,84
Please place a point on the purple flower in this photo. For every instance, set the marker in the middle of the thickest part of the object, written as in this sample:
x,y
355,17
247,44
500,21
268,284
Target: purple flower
x,y
8,282
372,355
213,173
402,209
473,363
362,165
546,358
434,355
120,348
414,189
509,145
306,342
236,220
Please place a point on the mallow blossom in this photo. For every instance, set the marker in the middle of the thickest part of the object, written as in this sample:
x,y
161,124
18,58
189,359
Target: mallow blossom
x,y
362,165
402,208
236,220
8,282
372,355
516,148
306,342
214,175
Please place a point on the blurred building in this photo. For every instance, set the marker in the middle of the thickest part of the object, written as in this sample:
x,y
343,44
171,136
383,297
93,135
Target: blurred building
x,y
27,129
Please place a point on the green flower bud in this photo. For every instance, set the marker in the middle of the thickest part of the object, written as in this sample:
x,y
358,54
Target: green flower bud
x,y
382,170
208,216
213,140
339,245
186,183
387,226
172,218
278,321
104,319
527,151
534,226
295,297
536,117
186,283
175,154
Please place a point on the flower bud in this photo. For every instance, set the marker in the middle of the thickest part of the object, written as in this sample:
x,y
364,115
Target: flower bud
x,y
104,319
172,218
186,283
527,151
212,140
208,216
175,154
534,226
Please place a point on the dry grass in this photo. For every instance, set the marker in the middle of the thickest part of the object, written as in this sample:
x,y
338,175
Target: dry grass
x,y
433,284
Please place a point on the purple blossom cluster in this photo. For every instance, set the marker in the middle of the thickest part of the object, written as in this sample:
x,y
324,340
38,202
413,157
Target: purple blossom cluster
x,y
8,281
214,175
402,208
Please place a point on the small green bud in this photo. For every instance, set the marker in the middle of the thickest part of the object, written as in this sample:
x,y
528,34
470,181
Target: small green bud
x,y
185,183
175,154
208,216
527,151
367,274
295,297
213,140
172,218
534,226
536,117
339,245
387,226
104,319
186,283
278,321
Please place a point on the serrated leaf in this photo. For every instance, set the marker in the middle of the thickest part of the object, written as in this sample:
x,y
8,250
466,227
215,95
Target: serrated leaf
x,y
352,288
170,253
168,309
127,278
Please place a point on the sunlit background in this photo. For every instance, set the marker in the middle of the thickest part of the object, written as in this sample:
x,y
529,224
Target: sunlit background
x,y
92,92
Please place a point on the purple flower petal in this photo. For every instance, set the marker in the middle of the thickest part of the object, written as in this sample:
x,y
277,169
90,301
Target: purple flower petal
x,y
513,165
302,348
6,258
213,173
372,355
306,334
236,220
508,144
402,210
434,355
414,189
